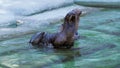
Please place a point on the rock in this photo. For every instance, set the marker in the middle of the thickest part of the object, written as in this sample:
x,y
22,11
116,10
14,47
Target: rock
x,y
99,3
6,18
30,24
54,15
31,7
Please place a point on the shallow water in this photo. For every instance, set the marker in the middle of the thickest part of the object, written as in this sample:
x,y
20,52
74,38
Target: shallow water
x,y
99,46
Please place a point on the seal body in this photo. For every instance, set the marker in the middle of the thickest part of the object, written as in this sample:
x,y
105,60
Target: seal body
x,y
63,39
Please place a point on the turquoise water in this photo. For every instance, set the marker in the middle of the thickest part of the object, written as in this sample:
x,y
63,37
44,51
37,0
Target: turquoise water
x,y
99,46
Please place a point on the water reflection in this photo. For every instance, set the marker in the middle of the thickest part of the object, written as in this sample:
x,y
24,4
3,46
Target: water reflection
x,y
66,56
69,57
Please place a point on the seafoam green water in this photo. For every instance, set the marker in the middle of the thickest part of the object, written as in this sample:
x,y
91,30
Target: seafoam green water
x,y
99,46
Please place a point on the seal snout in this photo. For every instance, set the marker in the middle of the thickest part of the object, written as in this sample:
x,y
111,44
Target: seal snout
x,y
77,11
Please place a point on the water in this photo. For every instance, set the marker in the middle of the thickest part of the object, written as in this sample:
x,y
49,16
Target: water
x,y
99,46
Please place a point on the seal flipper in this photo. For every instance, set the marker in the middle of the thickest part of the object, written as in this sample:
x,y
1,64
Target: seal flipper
x,y
36,38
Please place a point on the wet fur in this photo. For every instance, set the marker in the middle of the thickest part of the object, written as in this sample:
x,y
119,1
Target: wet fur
x,y
64,38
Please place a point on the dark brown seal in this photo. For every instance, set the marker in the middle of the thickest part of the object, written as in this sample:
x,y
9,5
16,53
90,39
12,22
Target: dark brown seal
x,y
64,38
